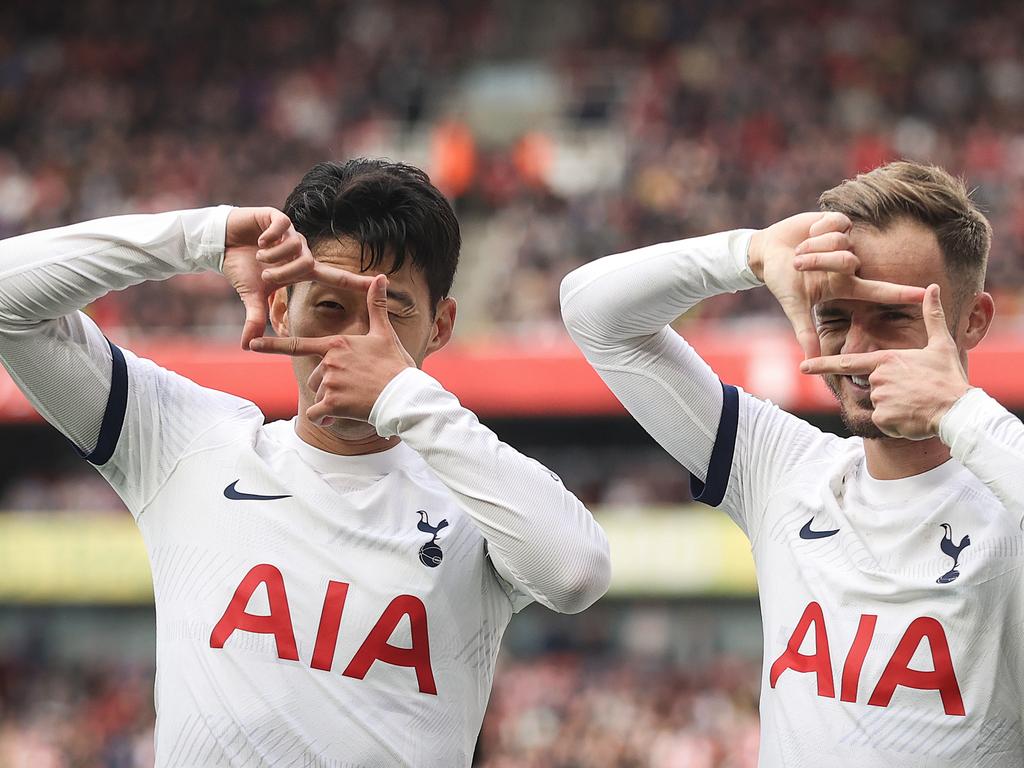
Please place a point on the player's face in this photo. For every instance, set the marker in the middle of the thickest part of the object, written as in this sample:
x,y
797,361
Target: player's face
x,y
322,310
906,252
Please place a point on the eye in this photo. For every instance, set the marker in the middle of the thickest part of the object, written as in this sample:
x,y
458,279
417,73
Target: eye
x,y
331,306
896,316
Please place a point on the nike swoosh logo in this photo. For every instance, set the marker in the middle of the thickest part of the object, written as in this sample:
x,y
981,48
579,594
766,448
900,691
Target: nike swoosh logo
x,y
235,495
807,533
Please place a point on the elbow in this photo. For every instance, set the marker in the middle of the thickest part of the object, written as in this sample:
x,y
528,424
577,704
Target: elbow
x,y
572,316
584,328
586,583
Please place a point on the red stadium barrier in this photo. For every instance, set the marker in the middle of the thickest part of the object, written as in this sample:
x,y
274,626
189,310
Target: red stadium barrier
x,y
501,377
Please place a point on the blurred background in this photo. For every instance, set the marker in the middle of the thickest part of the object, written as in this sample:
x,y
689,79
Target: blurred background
x,y
561,132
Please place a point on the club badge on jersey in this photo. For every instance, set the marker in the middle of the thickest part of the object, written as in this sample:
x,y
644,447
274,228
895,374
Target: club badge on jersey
x,y
430,553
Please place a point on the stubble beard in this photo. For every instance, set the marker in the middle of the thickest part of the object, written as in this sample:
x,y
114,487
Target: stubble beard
x,y
859,423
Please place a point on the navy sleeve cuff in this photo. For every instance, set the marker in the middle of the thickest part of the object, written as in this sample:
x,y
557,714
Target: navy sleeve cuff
x,y
113,416
712,490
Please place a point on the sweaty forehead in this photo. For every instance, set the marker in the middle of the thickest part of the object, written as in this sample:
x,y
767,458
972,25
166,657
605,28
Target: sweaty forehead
x,y
905,252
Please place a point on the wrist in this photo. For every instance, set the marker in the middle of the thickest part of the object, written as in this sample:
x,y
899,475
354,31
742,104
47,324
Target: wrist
x,y
950,400
755,254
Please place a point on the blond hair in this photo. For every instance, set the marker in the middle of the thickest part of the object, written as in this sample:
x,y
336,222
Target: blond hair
x,y
926,194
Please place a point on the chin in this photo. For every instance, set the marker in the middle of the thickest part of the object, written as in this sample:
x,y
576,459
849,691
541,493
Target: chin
x,y
855,414
859,423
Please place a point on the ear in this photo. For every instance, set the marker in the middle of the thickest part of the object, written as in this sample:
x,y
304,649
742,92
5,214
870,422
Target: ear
x,y
444,324
278,302
977,319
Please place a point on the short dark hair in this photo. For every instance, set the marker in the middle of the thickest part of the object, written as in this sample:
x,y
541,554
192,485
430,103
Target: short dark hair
x,y
930,196
391,209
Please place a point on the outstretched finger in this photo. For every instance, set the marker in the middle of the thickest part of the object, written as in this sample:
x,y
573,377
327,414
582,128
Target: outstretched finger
x,y
255,318
935,317
882,292
799,315
294,346
859,363
340,278
278,225
377,307
830,221
841,262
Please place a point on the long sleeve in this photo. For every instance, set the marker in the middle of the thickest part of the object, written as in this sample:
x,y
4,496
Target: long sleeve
x,y
540,537
55,354
617,310
123,413
988,440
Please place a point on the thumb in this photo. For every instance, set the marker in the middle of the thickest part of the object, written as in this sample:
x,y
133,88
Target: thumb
x,y
934,316
799,315
377,307
255,317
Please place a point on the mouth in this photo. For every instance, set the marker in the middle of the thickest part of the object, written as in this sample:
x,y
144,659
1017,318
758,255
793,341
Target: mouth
x,y
858,389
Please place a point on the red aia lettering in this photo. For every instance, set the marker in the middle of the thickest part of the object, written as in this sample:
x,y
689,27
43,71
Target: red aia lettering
x,y
330,623
820,662
374,648
942,678
855,659
278,623
897,672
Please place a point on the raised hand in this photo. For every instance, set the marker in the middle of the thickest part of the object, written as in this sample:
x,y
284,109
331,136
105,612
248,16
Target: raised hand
x,y
263,252
806,259
353,370
911,389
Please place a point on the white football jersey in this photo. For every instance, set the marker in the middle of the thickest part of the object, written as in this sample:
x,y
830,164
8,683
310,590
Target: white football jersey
x,y
312,609
893,611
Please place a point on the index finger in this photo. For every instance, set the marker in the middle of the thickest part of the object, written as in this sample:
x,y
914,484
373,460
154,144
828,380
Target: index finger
x,y
294,346
882,292
340,278
856,363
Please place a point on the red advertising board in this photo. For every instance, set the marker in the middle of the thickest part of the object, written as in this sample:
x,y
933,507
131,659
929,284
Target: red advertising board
x,y
503,377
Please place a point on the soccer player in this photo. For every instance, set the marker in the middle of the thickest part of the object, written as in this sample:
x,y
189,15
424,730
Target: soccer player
x,y
330,590
889,563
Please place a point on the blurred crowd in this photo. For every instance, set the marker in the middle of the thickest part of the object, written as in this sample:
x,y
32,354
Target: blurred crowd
x,y
568,711
554,711
561,132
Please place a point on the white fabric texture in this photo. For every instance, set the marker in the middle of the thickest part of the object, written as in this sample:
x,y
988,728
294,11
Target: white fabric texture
x,y
864,584
220,496
55,353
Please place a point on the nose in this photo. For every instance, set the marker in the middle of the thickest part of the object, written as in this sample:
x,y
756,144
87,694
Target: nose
x,y
858,338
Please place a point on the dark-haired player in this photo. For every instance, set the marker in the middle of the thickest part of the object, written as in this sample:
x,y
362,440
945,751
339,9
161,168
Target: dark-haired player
x,y
889,564
330,590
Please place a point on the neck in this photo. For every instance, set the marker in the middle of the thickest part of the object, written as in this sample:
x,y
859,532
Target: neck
x,y
890,458
357,444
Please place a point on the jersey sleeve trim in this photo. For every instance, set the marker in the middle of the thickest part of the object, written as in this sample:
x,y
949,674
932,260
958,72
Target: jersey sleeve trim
x,y
712,490
113,416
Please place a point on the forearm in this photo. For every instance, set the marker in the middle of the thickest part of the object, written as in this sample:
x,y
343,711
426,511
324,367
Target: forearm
x,y
49,274
617,310
537,532
989,441
634,295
